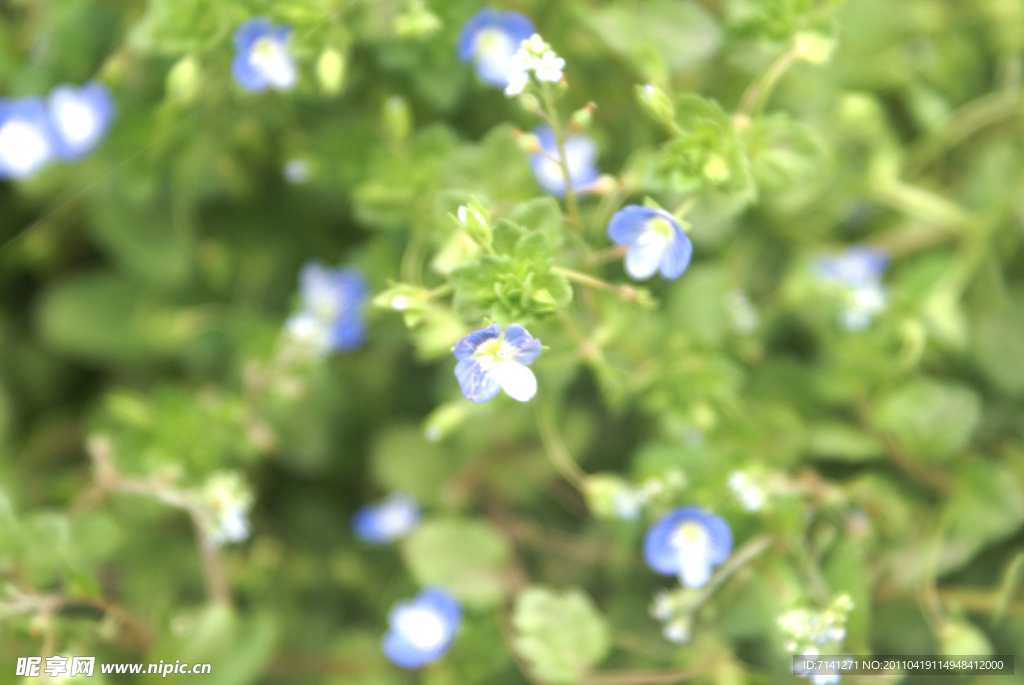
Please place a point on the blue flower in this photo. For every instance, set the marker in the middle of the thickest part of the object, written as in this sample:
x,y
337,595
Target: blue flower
x,y
490,361
490,39
262,59
688,542
387,521
80,117
858,274
423,629
856,267
27,142
332,309
656,241
580,153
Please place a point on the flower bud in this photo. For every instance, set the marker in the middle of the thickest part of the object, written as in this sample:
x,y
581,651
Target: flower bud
x,y
183,80
397,119
473,220
656,103
410,300
530,103
582,118
330,71
813,47
610,497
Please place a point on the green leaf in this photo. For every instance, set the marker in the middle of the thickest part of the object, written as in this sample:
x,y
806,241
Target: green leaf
x,y
783,152
403,461
988,505
838,441
999,347
561,635
464,555
932,420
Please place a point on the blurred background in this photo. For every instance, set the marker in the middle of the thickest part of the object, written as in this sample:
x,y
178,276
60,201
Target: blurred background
x,y
862,435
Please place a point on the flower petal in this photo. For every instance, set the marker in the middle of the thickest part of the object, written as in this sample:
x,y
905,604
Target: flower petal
x,y
516,380
677,254
629,223
643,258
477,383
528,347
694,571
467,346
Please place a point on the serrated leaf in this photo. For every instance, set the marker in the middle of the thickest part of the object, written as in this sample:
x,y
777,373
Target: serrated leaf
x,y
561,635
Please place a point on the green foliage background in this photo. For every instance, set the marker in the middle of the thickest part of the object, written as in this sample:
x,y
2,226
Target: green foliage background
x,y
143,290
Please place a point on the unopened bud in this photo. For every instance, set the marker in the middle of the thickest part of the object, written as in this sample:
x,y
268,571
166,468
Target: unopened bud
x,y
330,71
656,103
813,47
530,103
473,220
582,118
529,143
183,80
397,119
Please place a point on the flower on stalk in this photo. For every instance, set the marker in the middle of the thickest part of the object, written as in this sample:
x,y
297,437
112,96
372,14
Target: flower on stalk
x,y
422,629
27,141
655,239
536,58
688,542
80,117
229,500
580,153
857,274
262,59
332,310
490,39
391,519
490,360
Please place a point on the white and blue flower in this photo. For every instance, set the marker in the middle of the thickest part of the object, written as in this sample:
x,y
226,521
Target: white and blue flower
x,y
332,310
490,360
857,274
580,154
422,629
490,39
27,141
655,239
688,542
228,499
392,519
262,59
80,117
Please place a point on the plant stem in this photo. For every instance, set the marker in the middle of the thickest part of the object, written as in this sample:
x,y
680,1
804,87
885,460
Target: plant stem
x,y
756,96
563,161
627,293
556,449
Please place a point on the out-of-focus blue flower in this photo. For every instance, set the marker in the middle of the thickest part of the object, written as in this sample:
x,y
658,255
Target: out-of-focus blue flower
x,y
332,309
655,239
423,629
490,361
262,59
688,542
387,521
580,155
27,141
80,117
490,39
857,273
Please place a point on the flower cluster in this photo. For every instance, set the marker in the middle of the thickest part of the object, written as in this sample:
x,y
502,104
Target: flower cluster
x,y
857,275
262,58
748,489
229,499
610,496
535,58
580,155
810,632
656,242
331,318
490,40
491,360
69,125
392,519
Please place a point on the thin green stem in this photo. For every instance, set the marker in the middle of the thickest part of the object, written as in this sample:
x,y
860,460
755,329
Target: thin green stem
x,y
559,454
684,208
626,292
756,96
440,291
563,161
